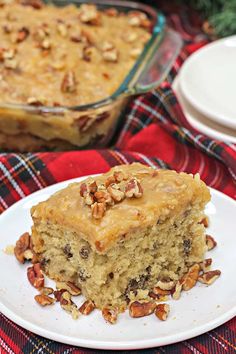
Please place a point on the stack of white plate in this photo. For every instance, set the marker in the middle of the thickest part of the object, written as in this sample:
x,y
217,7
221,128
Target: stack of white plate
x,y
206,89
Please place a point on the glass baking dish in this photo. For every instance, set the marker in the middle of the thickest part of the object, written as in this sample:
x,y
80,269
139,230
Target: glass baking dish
x,y
92,125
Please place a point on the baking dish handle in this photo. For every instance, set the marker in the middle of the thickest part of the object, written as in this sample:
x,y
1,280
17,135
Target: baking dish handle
x,y
159,60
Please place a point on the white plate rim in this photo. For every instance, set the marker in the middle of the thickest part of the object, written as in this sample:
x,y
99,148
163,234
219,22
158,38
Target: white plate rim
x,y
111,345
220,118
194,121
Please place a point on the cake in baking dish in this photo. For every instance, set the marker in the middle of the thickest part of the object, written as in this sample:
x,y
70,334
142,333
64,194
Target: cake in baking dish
x,y
119,234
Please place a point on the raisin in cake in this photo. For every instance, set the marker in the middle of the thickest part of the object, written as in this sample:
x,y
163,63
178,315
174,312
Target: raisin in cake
x,y
118,234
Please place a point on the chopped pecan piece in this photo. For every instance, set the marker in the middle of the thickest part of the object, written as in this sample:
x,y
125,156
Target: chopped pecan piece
x,y
22,34
44,300
210,242
189,280
103,197
88,199
10,64
161,292
83,189
21,246
162,311
138,19
46,291
205,265
141,309
58,293
109,180
209,277
112,12
36,4
62,29
89,14
133,189
70,287
98,210
87,307
110,55
130,37
116,194
120,176
68,84
135,52
176,291
110,315
205,221
35,276
68,305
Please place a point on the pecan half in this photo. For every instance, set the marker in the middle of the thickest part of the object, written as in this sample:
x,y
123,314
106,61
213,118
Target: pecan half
x,y
133,188
206,264
209,277
141,309
110,315
68,84
189,280
70,287
210,242
21,246
162,311
44,300
35,276
98,210
87,307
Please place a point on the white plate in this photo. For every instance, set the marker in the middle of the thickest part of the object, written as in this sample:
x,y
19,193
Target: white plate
x,y
198,311
201,122
208,81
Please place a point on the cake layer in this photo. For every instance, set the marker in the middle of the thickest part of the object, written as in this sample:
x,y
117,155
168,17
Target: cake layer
x,y
164,194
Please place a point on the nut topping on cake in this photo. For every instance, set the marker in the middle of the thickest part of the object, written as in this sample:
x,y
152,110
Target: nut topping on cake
x,y
68,84
133,189
116,188
70,287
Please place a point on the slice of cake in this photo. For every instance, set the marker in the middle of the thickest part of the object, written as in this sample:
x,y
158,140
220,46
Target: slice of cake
x,y
118,235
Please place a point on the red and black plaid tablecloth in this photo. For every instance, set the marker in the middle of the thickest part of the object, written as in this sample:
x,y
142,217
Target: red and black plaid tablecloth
x,y
155,132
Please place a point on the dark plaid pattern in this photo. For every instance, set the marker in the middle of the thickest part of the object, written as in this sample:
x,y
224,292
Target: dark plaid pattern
x,y
155,133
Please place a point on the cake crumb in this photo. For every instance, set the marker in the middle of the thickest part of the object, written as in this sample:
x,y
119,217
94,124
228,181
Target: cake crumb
x,y
9,250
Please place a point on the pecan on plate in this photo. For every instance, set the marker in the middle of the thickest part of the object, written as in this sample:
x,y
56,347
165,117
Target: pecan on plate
x,y
141,309
35,276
